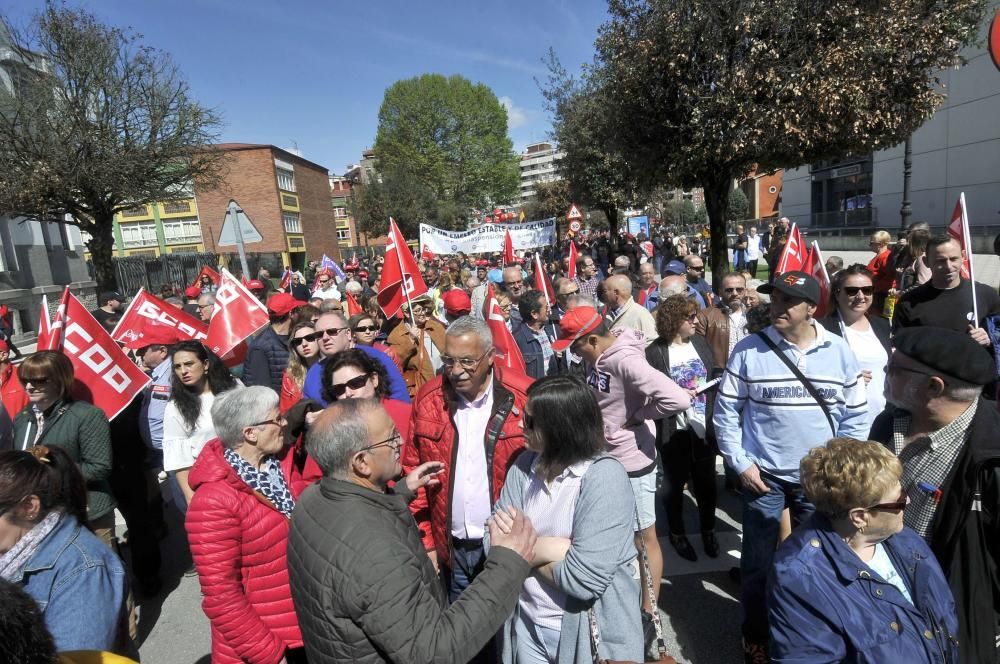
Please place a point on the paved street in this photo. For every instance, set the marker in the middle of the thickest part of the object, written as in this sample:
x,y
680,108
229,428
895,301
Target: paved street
x,y
699,602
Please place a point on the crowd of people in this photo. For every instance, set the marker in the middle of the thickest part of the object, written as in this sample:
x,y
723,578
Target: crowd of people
x,y
372,488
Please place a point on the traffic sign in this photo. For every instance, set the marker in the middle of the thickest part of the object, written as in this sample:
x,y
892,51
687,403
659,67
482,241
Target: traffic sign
x,y
237,218
574,213
574,226
994,38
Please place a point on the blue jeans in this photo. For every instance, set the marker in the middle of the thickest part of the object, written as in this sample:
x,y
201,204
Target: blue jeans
x,y
535,644
761,523
465,565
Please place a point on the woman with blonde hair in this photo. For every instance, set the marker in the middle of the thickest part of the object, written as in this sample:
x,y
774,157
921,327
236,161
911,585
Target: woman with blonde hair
x,y
854,584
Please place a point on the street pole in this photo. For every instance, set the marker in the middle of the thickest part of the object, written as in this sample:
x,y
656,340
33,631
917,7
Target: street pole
x,y
904,210
234,210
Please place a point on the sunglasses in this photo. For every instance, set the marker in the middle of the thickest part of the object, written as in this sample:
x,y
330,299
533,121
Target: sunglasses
x,y
697,268
324,281
298,341
851,291
734,290
355,383
329,332
37,382
366,328
900,503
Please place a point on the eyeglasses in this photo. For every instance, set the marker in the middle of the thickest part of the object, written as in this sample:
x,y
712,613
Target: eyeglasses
x,y
277,421
568,293
366,328
738,291
697,268
355,383
330,332
851,291
900,503
298,341
395,441
324,281
466,363
37,382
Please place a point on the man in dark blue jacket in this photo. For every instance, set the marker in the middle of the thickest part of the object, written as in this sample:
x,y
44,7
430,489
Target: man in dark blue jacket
x,y
535,334
267,355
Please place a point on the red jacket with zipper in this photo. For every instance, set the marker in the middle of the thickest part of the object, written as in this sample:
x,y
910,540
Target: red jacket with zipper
x,y
239,541
434,438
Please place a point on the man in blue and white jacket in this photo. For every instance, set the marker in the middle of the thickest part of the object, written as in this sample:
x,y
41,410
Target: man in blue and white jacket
x,y
766,420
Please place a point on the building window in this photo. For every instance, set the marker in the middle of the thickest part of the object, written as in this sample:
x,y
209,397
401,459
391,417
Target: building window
x,y
141,234
292,223
343,234
340,213
290,201
139,211
286,180
176,207
182,231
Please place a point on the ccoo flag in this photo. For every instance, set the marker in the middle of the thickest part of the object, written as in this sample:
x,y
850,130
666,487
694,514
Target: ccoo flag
x,y
793,256
401,280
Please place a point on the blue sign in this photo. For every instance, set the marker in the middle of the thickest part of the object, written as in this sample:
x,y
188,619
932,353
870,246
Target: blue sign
x,y
637,224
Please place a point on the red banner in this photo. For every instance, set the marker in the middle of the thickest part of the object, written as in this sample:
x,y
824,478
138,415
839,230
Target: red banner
x,y
542,282
508,355
573,257
816,266
508,248
145,312
401,278
237,315
105,376
353,307
43,325
957,229
206,270
793,257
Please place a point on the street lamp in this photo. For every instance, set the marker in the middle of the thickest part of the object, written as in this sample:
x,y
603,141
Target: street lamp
x,y
904,210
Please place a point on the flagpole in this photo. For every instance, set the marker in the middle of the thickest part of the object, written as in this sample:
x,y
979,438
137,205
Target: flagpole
x,y
968,250
538,267
399,259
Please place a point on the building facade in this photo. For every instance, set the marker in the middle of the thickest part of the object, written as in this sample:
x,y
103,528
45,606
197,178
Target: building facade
x,y
763,192
539,163
957,150
170,227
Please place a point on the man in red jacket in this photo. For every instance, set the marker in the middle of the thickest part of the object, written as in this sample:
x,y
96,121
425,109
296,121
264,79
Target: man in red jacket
x,y
11,390
469,418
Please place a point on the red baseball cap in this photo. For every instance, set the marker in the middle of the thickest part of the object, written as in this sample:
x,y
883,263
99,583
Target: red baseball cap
x,y
457,302
575,324
255,284
154,335
192,292
282,304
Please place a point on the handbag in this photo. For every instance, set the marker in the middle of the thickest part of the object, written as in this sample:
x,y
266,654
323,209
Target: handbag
x,y
661,645
810,388
595,641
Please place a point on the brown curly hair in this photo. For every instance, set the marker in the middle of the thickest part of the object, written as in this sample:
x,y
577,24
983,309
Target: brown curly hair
x,y
847,473
671,314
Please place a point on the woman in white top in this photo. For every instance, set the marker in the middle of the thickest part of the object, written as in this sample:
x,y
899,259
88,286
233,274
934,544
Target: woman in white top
x,y
851,296
199,375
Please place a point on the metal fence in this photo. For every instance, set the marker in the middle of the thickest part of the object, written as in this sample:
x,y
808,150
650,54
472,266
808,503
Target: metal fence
x,y
177,270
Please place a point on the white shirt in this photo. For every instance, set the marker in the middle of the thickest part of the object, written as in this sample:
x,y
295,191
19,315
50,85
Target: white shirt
x,y
551,508
871,355
471,503
182,446
753,247
329,294
737,328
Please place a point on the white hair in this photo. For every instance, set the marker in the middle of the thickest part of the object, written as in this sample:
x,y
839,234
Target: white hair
x,y
239,408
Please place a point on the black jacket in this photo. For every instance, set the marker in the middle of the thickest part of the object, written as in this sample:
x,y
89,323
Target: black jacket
x,y
658,356
879,325
365,590
267,357
966,531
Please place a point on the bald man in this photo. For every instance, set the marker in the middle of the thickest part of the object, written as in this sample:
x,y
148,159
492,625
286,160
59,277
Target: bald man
x,y
623,311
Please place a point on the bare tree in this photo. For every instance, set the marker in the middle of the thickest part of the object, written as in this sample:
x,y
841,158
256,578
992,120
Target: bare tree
x,y
97,123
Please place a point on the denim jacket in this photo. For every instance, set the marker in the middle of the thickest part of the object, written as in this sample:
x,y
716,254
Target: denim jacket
x,y
80,587
826,605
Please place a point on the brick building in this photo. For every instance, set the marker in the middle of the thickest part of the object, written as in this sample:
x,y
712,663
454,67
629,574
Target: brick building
x,y
763,192
286,197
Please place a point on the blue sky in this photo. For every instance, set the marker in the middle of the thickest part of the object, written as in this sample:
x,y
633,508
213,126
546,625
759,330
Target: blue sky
x,y
312,73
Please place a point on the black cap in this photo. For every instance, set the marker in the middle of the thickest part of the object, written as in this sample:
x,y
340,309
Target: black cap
x,y
951,352
794,284
107,296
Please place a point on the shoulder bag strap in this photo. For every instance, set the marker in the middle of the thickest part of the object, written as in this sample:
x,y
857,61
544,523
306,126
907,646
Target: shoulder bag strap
x,y
661,644
802,379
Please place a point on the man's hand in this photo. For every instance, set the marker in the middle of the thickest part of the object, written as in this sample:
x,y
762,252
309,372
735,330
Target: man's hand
x,y
433,555
979,335
426,474
750,479
512,529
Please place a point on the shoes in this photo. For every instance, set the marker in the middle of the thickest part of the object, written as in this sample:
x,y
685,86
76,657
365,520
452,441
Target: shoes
x,y
710,544
755,652
683,547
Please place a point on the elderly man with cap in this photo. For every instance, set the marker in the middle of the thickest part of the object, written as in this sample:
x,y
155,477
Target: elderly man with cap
x,y
267,354
109,306
457,303
631,395
946,436
785,390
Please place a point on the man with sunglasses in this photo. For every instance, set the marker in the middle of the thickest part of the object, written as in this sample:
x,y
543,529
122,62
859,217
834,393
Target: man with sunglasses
x,y
334,335
946,436
694,270
326,288
469,418
724,326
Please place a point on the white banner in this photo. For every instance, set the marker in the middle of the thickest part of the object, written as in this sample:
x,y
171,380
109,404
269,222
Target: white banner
x,y
488,238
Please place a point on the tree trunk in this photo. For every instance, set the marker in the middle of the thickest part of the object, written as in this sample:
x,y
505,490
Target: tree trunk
x,y
611,212
717,202
102,248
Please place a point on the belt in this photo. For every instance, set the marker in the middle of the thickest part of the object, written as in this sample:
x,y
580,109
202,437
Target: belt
x,y
466,544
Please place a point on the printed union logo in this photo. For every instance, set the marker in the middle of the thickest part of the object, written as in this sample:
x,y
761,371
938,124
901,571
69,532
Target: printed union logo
x,y
792,280
454,247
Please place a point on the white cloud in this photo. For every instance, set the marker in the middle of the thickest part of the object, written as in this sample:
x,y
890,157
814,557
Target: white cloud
x,y
516,116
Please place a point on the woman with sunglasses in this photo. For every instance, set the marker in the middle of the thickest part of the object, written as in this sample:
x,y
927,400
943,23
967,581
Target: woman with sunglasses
x,y
237,526
303,352
365,332
853,584
579,500
851,296
351,374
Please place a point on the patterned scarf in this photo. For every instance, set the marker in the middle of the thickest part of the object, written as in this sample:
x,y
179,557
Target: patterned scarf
x,y
269,480
13,562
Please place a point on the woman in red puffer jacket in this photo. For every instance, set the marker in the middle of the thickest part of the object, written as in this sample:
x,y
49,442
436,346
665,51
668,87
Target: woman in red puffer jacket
x,y
237,525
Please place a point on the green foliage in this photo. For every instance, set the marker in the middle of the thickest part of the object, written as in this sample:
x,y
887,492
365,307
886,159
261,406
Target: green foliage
x,y
739,206
400,195
447,136
98,123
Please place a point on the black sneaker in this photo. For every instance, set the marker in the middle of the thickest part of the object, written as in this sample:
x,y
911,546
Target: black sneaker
x,y
710,544
683,547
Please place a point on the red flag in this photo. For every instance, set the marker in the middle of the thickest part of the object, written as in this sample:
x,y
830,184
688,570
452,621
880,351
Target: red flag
x,y
816,266
542,282
145,312
508,247
43,325
401,280
508,355
426,253
353,307
793,257
573,257
206,270
286,280
237,315
958,229
105,376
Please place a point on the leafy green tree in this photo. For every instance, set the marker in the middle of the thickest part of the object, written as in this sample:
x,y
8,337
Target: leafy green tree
x,y
397,194
449,136
738,207
551,199
704,90
97,123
